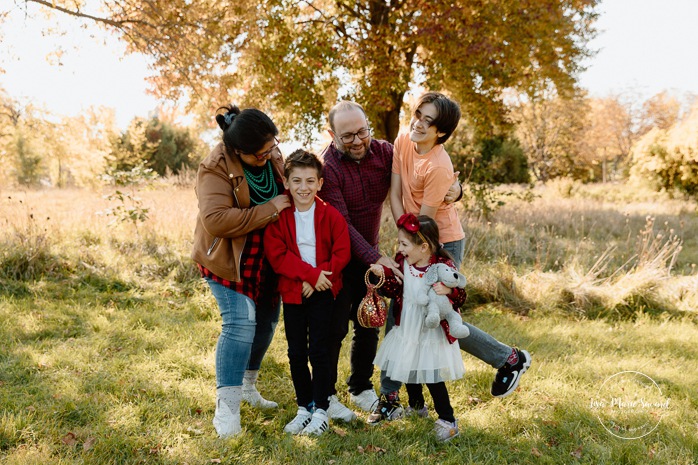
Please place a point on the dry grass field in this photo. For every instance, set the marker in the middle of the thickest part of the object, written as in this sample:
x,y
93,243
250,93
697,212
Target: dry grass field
x,y
108,337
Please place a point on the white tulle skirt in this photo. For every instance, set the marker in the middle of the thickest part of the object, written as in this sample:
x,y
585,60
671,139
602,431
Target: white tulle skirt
x,y
412,353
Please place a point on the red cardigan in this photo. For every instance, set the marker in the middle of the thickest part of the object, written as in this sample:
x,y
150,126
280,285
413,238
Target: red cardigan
x,y
332,250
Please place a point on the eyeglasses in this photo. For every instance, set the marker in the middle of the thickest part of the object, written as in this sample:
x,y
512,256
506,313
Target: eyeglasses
x,y
363,133
266,153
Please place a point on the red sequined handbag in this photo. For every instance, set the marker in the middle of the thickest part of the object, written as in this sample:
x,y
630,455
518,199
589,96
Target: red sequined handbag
x,y
372,310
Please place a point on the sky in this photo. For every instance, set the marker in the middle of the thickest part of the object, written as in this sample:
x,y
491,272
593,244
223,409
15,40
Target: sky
x,y
644,46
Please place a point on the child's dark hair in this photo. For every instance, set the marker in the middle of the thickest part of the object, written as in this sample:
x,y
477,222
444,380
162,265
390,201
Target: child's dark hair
x,y
302,159
247,130
428,233
448,113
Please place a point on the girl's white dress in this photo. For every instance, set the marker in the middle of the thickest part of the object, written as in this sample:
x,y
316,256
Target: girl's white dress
x,y
412,353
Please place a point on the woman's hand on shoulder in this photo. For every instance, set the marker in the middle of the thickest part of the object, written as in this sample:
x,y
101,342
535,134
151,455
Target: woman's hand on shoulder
x,y
280,202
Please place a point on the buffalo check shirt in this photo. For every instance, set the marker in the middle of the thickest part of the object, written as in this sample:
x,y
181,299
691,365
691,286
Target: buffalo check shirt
x,y
358,190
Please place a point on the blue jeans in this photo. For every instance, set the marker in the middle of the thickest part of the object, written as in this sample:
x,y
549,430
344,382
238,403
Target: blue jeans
x,y
456,249
478,343
246,333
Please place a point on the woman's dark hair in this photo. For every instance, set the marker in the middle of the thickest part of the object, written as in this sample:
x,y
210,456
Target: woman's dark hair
x,y
429,231
448,113
247,130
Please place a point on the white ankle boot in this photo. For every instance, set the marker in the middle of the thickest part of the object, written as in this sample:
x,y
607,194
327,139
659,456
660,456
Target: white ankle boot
x,y
250,393
227,417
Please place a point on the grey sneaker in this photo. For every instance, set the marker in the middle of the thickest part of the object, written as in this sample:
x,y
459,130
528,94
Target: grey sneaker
x,y
366,400
338,411
445,430
301,420
422,412
318,424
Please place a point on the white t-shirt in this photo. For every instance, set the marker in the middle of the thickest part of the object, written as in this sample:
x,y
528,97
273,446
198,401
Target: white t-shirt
x,y
305,234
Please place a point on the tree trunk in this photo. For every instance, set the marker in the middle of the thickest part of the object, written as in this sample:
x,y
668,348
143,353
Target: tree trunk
x,y
390,124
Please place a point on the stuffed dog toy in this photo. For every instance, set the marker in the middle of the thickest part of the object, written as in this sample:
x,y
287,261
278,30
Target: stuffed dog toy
x,y
438,307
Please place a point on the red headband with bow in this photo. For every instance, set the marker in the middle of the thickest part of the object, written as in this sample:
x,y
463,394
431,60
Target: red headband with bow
x,y
410,223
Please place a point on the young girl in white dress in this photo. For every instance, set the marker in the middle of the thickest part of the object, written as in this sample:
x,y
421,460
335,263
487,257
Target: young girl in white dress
x,y
411,352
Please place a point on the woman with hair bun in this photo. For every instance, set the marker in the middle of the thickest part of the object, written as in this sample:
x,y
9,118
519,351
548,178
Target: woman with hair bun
x,y
240,191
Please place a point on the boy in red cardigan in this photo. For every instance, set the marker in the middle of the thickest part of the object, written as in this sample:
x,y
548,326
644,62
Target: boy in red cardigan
x,y
308,247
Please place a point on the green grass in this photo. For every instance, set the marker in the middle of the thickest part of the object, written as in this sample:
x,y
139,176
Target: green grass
x,y
108,344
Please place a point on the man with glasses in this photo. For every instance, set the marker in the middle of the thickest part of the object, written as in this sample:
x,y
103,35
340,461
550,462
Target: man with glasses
x,y
357,172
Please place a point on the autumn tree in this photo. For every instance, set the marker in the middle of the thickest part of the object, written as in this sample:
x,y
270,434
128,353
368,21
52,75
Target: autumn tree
x,y
609,135
662,111
549,126
668,158
79,147
159,145
295,58
22,143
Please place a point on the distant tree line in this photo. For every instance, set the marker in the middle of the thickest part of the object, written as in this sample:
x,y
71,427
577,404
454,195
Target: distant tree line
x,y
37,149
547,136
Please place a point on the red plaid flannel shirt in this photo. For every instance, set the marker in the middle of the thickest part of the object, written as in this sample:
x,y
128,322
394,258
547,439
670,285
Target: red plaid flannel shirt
x,y
255,272
358,191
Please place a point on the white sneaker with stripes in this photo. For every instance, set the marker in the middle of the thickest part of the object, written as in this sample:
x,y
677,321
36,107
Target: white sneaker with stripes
x,y
318,424
302,419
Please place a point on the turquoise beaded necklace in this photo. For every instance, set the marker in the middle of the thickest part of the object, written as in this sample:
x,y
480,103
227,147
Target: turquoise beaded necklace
x,y
263,187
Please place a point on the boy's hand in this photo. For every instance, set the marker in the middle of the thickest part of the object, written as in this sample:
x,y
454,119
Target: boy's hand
x,y
441,289
323,282
307,289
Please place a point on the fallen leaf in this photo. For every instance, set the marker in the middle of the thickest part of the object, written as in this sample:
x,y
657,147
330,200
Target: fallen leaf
x,y
193,430
215,460
89,443
376,449
360,449
535,452
577,453
341,432
69,439
474,400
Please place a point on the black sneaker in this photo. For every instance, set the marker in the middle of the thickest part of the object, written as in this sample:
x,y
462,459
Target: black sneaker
x,y
385,410
508,377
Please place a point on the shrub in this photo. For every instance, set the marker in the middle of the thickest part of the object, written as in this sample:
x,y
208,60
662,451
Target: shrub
x,y
668,158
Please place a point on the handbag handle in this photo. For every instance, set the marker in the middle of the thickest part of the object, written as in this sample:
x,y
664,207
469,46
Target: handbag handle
x,y
381,280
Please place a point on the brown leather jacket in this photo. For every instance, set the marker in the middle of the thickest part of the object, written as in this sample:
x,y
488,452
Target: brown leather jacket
x,y
225,216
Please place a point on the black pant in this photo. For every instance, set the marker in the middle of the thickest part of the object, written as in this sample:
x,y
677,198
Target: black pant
x,y
439,394
365,340
308,339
